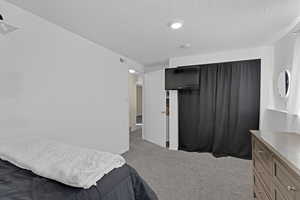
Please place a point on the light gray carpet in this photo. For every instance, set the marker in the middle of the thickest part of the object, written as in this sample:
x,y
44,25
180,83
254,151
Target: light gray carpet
x,y
178,175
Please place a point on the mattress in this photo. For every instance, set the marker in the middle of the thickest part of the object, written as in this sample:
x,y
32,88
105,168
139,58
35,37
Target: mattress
x,y
123,183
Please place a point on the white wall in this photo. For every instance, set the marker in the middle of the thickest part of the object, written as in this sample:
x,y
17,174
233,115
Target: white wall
x,y
263,53
283,59
173,120
58,85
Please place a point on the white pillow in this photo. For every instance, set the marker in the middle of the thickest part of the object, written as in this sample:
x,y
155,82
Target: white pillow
x,y
74,166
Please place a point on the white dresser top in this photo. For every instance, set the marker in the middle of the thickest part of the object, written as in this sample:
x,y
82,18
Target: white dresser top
x,y
285,145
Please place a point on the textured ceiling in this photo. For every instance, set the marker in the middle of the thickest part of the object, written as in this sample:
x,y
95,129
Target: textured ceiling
x,y
138,28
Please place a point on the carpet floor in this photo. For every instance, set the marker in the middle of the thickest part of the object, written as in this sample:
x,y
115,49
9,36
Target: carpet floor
x,y
178,175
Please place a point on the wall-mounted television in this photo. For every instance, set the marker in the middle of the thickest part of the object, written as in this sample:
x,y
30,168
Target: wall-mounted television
x,y
182,78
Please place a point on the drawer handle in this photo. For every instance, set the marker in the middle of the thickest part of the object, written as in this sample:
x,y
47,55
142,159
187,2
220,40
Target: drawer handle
x,y
291,188
260,151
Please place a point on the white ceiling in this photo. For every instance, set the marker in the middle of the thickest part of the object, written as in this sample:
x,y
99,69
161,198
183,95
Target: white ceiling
x,y
138,28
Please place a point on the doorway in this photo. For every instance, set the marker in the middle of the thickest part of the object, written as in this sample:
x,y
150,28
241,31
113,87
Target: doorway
x,y
139,104
135,96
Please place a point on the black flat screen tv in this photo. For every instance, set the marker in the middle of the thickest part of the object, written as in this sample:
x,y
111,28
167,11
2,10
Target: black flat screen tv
x,y
182,78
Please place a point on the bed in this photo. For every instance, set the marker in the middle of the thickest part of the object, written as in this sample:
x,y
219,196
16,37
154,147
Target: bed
x,y
122,183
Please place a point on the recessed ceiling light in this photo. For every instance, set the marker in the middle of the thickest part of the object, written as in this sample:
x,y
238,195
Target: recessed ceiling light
x,y
132,71
176,24
185,46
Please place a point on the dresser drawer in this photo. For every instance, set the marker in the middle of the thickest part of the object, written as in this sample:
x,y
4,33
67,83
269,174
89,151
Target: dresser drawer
x,y
284,181
259,190
277,195
276,165
263,154
264,176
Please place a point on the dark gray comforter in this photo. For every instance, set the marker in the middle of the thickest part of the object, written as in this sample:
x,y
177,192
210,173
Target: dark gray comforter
x,y
120,184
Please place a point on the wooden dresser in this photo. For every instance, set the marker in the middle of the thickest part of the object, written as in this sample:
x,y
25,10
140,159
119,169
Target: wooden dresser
x,y
276,165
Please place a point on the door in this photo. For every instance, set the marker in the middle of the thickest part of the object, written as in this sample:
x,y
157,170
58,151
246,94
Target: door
x,y
155,108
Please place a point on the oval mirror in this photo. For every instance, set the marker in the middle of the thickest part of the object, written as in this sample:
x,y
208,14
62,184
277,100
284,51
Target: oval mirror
x,y
284,82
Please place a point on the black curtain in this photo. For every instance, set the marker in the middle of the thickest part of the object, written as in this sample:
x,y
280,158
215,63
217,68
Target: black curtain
x,y
217,117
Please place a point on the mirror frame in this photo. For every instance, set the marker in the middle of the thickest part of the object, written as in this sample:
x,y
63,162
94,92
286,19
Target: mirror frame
x,y
284,81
